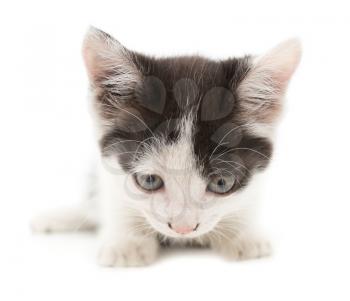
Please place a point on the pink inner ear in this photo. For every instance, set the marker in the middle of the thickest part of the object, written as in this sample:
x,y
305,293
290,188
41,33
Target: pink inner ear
x,y
89,61
97,45
281,62
93,48
263,88
103,54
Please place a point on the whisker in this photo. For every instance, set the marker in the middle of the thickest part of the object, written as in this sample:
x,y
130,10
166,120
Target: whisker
x,y
250,149
229,132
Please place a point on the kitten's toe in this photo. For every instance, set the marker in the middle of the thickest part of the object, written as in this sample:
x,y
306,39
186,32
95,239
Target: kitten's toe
x,y
254,249
130,254
245,249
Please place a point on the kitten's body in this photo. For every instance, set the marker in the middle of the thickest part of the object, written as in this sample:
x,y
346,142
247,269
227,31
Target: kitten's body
x,y
185,142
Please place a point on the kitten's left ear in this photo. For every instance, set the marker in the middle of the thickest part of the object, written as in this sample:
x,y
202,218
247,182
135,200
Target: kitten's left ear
x,y
262,89
109,64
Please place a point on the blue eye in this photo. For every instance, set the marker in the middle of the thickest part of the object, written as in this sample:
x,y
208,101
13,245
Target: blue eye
x,y
149,182
221,185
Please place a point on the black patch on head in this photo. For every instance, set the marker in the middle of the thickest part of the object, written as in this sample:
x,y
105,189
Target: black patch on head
x,y
152,94
171,89
185,92
217,104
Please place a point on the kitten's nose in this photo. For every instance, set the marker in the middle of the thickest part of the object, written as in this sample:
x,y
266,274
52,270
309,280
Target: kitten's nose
x,y
183,229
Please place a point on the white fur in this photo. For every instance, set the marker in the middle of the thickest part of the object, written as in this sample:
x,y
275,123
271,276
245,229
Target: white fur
x,y
75,219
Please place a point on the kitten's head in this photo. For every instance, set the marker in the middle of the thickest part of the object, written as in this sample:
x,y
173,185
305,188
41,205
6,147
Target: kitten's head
x,y
189,133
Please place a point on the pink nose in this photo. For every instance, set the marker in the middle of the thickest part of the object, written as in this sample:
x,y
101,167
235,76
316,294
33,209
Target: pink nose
x,y
183,229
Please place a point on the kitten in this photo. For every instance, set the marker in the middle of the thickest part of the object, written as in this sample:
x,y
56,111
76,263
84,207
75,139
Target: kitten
x,y
184,145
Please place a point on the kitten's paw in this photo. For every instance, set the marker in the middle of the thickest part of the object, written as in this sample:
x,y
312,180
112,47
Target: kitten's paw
x,y
131,253
63,221
245,249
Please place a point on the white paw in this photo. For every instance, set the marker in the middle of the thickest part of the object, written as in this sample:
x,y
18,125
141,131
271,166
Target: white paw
x,y
62,221
244,249
131,253
41,224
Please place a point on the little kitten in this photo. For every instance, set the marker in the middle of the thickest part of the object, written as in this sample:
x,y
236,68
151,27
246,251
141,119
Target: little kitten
x,y
184,145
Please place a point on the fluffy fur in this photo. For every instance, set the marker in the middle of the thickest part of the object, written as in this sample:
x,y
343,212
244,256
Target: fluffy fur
x,y
186,120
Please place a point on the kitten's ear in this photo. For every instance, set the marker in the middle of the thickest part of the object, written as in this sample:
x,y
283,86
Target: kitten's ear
x,y
109,64
262,89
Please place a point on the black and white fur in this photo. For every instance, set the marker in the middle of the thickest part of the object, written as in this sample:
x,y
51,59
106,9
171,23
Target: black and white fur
x,y
184,119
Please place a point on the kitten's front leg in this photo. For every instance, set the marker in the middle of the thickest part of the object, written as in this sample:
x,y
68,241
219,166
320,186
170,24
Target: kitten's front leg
x,y
244,246
126,237
124,245
128,251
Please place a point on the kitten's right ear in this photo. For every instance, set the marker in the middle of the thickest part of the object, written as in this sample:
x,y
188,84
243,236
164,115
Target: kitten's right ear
x,y
262,90
109,64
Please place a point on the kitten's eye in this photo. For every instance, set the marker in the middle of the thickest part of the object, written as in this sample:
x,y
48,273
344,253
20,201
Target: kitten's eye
x,y
149,182
221,185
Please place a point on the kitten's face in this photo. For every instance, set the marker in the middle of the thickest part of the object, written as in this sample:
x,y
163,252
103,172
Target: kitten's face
x,y
189,133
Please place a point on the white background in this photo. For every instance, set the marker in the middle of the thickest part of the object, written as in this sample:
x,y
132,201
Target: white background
x,y
47,146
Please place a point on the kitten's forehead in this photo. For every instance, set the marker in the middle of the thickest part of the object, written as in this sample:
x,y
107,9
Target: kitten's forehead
x,y
177,157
